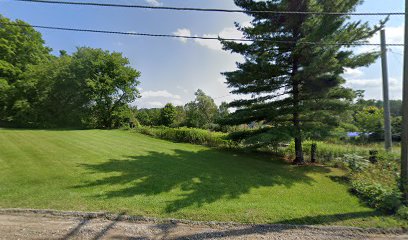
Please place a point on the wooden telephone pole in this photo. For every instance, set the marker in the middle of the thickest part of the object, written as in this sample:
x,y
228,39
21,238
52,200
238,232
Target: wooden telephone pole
x,y
387,113
404,137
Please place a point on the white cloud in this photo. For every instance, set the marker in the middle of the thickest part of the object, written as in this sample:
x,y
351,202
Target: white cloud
x,y
157,104
353,73
364,83
394,35
215,44
183,32
373,87
373,83
159,94
229,32
154,3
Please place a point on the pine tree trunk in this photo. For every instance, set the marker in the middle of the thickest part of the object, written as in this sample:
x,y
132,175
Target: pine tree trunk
x,y
296,117
313,152
298,141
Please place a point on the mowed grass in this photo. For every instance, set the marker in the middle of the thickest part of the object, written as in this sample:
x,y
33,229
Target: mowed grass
x,y
123,172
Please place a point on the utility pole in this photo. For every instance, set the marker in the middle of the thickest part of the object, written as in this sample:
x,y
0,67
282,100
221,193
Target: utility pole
x,y
387,114
404,137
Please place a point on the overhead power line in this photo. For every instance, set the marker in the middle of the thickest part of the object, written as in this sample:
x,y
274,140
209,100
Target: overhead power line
x,y
198,37
214,9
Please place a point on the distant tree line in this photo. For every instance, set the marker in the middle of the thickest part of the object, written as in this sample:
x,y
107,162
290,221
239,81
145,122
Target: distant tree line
x,y
200,113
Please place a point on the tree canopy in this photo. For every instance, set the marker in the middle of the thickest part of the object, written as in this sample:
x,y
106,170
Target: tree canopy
x,y
19,48
90,88
201,111
168,115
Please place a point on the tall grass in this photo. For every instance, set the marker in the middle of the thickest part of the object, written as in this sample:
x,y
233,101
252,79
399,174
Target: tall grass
x,y
329,151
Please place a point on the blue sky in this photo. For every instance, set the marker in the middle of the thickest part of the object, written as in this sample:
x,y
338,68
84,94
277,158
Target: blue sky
x,y
172,69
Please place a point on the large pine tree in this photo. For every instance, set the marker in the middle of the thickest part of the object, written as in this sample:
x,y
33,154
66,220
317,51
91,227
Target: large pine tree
x,y
296,85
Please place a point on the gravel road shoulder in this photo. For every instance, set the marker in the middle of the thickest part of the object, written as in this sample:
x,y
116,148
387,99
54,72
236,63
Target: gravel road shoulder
x,y
48,224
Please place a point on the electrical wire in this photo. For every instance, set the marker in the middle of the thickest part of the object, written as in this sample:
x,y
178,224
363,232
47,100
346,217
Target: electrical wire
x,y
198,37
214,9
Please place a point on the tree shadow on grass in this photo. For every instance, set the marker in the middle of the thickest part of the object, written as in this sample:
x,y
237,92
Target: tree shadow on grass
x,y
204,176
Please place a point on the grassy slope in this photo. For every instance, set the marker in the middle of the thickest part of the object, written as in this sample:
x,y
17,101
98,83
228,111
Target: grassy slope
x,y
119,171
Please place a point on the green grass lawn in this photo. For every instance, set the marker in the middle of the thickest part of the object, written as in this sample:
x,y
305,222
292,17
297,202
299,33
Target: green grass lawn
x,y
120,171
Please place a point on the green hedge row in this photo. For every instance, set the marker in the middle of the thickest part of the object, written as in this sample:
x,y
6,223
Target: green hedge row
x,y
187,135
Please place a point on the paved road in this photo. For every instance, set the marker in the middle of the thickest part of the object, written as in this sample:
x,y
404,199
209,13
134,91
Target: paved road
x,y
29,225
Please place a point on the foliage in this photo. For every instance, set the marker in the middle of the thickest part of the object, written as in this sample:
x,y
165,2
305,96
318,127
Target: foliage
x,y
148,117
223,112
327,152
187,135
370,120
258,138
90,88
395,105
403,212
167,115
20,47
180,117
109,84
376,184
377,196
366,118
396,126
355,162
200,112
297,86
56,98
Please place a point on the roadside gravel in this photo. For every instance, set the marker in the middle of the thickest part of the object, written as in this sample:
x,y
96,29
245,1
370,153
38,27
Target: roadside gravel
x,y
49,224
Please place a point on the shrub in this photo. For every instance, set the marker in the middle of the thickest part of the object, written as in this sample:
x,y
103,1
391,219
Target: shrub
x,y
355,162
187,135
376,184
403,212
377,195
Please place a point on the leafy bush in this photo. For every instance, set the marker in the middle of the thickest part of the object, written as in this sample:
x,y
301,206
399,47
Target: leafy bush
x,y
355,162
403,212
376,184
187,135
377,195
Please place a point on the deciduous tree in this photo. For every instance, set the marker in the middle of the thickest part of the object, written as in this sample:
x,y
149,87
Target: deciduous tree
x,y
201,111
168,115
